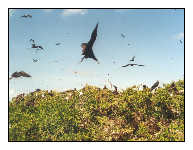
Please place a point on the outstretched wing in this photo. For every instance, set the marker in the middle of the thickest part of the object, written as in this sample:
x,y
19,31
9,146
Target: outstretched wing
x,y
93,36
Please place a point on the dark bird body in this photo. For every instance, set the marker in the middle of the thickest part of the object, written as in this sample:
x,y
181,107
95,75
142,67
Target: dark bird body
x,y
87,50
129,65
122,35
27,16
35,60
19,74
154,85
58,44
132,58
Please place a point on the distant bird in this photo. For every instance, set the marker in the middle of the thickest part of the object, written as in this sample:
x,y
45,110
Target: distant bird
x,y
31,40
27,16
132,58
145,87
173,87
87,50
34,45
154,85
37,46
129,65
19,74
181,41
104,87
122,35
141,65
58,44
115,91
35,60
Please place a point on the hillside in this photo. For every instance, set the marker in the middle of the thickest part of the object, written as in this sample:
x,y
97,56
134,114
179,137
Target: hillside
x,y
94,114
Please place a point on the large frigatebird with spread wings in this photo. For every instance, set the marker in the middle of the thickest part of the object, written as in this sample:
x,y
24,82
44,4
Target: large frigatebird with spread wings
x,y
19,74
87,50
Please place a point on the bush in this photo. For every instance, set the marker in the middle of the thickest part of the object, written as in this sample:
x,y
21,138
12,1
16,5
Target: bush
x,y
94,114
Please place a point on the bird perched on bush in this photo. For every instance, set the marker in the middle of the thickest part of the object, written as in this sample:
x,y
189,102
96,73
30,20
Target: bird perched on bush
x,y
154,85
87,50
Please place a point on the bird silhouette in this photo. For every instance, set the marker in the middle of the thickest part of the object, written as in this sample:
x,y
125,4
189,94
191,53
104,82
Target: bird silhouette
x,y
87,50
27,16
129,65
154,85
58,44
122,35
19,74
35,60
132,58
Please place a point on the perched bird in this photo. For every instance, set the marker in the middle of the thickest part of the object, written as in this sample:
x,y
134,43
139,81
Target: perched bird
x,y
145,87
19,74
87,50
27,16
122,35
173,87
129,65
154,85
132,58
115,91
58,44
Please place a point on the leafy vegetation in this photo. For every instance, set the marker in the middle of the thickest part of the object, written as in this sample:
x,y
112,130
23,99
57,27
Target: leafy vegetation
x,y
94,114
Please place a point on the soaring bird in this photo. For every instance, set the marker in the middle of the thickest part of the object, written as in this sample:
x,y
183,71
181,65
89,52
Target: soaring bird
x,y
19,74
27,16
129,65
87,50
132,58
58,44
35,60
154,85
122,35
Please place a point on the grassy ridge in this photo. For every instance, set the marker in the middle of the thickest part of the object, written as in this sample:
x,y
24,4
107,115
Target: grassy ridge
x,y
94,114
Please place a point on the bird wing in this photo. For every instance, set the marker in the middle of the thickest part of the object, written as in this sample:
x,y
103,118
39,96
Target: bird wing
x,y
93,36
126,65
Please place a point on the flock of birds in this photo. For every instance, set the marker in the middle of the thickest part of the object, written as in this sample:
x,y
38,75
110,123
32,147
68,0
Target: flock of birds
x,y
87,52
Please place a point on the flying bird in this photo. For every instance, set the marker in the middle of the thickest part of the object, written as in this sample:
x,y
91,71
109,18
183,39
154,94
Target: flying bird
x,y
132,58
141,65
37,46
35,60
87,50
27,16
58,44
122,35
19,74
154,85
129,65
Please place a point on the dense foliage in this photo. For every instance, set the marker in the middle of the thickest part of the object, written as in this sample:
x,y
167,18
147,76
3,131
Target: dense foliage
x,y
94,114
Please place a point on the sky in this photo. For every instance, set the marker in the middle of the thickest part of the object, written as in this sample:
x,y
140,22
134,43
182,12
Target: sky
x,y
153,36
